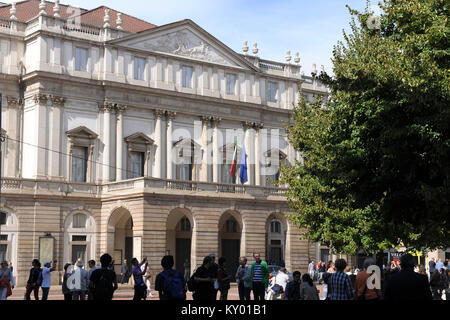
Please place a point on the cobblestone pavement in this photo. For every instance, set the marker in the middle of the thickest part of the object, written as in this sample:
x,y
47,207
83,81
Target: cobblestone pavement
x,y
125,292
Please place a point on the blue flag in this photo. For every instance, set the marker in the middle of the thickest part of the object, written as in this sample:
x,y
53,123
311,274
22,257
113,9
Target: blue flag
x,y
243,172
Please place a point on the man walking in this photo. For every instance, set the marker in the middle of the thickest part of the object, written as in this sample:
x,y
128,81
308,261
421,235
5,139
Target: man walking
x,y
124,272
170,283
407,284
311,268
103,281
80,283
339,284
431,268
243,279
259,277
46,278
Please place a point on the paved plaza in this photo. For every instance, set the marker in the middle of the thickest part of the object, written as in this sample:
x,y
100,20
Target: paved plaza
x,y
125,292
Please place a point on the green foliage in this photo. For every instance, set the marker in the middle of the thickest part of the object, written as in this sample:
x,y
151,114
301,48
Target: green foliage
x,y
376,169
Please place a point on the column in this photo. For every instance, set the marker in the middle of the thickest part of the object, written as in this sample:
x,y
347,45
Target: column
x,y
55,137
157,173
11,155
40,136
120,109
204,166
258,127
216,162
106,108
249,150
170,118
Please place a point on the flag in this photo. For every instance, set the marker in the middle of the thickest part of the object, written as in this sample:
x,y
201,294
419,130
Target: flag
x,y
243,173
233,164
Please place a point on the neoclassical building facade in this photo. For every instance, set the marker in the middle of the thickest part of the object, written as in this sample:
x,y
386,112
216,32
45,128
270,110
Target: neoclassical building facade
x,y
119,136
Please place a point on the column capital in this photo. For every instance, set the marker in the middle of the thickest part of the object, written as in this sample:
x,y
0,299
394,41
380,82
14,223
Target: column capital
x,y
106,106
14,102
159,113
247,125
40,98
58,101
216,120
171,115
258,125
206,119
120,108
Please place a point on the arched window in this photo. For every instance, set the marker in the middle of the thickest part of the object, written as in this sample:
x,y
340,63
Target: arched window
x,y
2,218
231,226
185,224
275,226
79,220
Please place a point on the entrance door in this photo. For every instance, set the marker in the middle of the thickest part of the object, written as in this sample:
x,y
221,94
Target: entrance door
x,y
324,255
3,249
230,251
182,252
78,252
128,250
275,255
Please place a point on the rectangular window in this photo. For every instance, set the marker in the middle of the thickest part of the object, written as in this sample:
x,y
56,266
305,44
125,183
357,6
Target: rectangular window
x,y
79,220
3,250
79,164
187,77
186,172
4,237
81,57
139,67
79,238
231,83
272,91
137,164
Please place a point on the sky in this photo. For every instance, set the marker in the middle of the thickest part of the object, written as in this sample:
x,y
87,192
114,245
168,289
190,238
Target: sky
x,y
310,27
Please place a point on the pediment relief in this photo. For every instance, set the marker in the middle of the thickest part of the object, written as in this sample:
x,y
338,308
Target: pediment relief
x,y
185,39
82,133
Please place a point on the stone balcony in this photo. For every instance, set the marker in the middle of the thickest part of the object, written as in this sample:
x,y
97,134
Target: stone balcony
x,y
48,188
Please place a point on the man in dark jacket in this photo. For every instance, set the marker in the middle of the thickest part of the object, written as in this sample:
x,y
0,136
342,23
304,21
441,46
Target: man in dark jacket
x,y
125,272
407,284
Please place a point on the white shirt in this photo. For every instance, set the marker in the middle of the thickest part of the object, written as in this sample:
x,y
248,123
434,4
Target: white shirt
x,y
311,267
83,276
46,278
282,279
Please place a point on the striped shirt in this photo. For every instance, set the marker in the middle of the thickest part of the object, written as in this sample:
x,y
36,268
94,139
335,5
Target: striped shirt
x,y
257,273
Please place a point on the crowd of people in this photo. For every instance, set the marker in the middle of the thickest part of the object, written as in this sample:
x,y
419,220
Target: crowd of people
x,y
211,280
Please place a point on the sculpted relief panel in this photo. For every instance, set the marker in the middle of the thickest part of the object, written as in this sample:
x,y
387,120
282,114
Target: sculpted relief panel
x,y
183,43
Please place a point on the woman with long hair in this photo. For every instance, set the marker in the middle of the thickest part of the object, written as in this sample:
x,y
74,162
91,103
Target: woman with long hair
x,y
308,291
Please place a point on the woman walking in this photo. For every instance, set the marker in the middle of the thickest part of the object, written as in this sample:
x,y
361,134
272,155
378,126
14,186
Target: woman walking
x,y
6,281
65,289
308,290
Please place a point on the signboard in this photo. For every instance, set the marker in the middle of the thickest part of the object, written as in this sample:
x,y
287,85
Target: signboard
x,y
46,248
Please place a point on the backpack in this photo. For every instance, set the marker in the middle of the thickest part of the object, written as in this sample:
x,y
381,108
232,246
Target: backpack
x,y
173,285
103,287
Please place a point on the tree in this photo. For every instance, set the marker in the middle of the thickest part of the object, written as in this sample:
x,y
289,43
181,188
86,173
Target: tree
x,y
376,156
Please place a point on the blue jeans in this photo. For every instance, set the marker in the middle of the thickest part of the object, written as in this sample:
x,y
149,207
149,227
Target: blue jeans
x,y
45,293
244,292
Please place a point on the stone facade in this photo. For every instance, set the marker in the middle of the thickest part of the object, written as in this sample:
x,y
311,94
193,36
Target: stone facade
x,y
122,142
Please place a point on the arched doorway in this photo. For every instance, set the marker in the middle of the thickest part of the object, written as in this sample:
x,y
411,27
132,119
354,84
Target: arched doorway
x,y
179,237
230,230
121,242
276,230
79,237
9,230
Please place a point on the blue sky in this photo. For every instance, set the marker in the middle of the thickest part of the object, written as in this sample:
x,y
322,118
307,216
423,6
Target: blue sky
x,y
311,27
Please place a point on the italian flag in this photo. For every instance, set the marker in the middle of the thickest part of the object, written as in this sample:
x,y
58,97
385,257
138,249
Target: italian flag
x,y
233,164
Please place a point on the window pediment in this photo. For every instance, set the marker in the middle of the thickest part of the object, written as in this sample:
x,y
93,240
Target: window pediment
x,y
139,138
228,151
275,151
82,133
